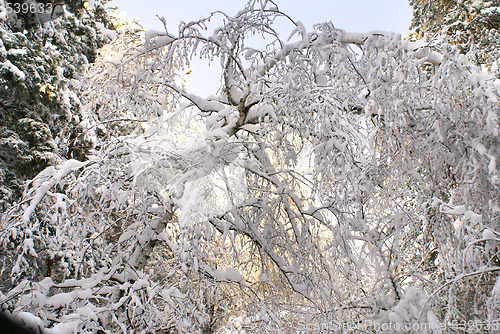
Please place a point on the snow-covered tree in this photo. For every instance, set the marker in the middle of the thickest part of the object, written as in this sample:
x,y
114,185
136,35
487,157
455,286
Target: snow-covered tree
x,y
473,26
330,180
40,64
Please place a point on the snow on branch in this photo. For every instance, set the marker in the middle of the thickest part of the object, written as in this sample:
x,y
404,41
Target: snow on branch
x,y
53,176
317,181
420,49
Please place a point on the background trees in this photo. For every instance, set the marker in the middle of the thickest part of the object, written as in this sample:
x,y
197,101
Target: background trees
x,y
331,180
473,26
42,61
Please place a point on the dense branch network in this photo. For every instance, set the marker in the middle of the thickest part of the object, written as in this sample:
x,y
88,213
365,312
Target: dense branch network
x,y
319,182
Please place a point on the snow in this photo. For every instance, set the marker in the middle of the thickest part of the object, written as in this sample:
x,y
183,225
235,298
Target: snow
x,y
254,113
479,147
253,128
30,320
16,71
496,289
456,210
492,122
65,299
289,188
434,324
63,328
394,317
157,38
489,235
16,52
458,224
461,210
233,275
229,275
88,312
116,58
322,80
41,190
111,34
28,247
236,93
473,217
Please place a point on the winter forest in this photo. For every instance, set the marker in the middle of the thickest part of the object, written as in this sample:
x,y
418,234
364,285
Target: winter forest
x,y
335,182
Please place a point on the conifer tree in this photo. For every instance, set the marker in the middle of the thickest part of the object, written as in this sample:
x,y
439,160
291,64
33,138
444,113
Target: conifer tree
x,y
471,25
40,61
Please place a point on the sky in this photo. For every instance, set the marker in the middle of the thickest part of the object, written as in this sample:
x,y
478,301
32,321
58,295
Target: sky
x,y
350,15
